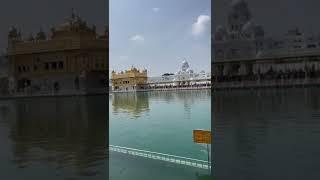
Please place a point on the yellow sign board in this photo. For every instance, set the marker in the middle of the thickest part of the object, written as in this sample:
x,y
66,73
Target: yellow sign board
x,y
202,136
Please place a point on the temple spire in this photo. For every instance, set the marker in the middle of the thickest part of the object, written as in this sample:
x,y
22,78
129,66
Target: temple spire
x,y
73,16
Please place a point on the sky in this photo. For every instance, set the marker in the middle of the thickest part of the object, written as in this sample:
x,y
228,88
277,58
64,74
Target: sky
x,y
32,15
159,35
276,16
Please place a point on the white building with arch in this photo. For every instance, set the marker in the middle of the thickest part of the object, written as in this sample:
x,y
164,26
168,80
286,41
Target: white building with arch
x,y
184,77
241,48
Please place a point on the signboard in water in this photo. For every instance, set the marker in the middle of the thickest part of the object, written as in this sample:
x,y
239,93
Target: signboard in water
x,y
202,136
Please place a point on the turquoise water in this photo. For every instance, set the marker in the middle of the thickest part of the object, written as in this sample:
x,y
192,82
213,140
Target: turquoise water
x,y
160,121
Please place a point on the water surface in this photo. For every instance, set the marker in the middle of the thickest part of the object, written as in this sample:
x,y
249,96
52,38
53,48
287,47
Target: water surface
x,y
267,134
160,122
54,138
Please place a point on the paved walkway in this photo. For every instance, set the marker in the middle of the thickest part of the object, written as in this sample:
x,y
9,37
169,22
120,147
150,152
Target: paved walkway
x,y
162,157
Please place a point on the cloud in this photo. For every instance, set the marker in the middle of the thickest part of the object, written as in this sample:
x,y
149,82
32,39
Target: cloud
x,y
200,26
137,37
156,9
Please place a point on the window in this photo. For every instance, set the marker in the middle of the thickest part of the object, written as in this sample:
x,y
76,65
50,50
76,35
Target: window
x,y
311,46
60,65
235,52
35,67
46,66
54,65
19,69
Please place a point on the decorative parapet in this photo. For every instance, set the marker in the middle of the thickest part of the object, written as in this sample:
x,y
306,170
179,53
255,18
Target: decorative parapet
x,y
131,73
64,36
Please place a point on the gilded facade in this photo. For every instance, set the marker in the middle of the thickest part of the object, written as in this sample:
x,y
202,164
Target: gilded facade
x,y
130,80
73,56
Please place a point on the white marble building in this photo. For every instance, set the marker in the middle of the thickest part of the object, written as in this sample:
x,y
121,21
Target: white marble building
x,y
185,76
242,47
243,38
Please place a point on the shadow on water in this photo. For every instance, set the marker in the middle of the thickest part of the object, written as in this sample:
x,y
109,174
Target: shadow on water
x,y
266,134
69,134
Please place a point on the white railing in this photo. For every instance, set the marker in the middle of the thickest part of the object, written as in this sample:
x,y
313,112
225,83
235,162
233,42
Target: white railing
x,y
159,88
267,83
65,92
162,157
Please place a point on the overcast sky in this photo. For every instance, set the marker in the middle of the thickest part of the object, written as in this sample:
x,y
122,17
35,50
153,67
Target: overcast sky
x,y
158,34
276,16
30,15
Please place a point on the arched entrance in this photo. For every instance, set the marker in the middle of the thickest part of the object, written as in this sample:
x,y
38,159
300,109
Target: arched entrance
x,y
23,83
56,86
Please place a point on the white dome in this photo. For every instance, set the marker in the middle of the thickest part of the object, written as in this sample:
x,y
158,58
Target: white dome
x,y
190,71
248,27
185,65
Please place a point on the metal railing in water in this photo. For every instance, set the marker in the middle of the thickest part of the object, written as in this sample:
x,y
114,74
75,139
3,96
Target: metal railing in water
x,y
162,157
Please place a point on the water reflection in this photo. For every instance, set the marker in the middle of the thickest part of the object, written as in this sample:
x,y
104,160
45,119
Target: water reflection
x,y
137,104
68,133
266,134
164,121
132,103
188,97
